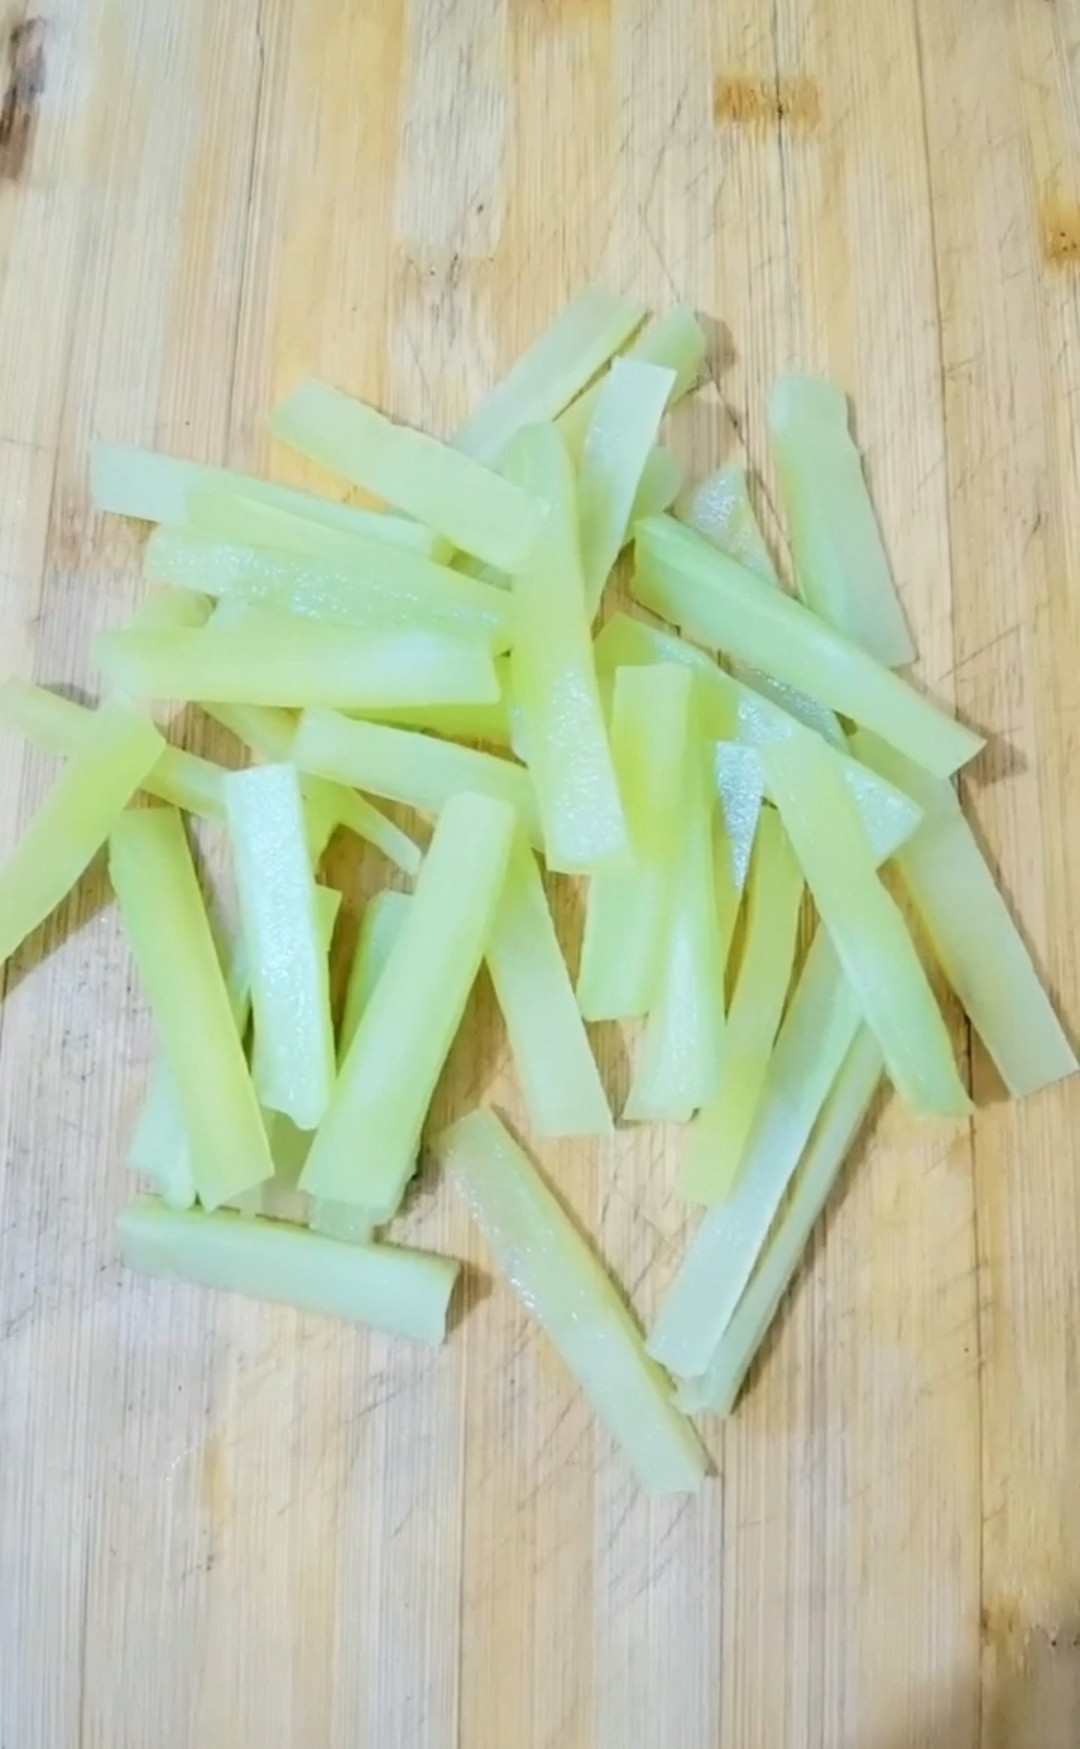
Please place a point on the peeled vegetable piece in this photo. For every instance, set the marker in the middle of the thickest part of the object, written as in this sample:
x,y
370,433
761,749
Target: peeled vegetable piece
x,y
841,1118
681,1051
380,925
290,983
627,908
555,368
416,770
841,566
563,1092
974,939
740,786
406,1293
225,516
365,1149
449,492
378,588
274,659
621,434
166,922
684,579
159,488
119,748
675,341
719,1133
734,712
552,673
866,927
60,725
566,1288
660,484
820,1024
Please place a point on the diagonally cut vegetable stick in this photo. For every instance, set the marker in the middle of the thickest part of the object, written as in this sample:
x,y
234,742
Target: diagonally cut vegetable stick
x,y
719,1133
365,1149
563,1092
552,674
841,1118
563,1284
118,750
378,588
840,562
226,515
974,938
681,1052
158,488
290,984
683,578
166,922
380,926
733,712
60,725
865,925
821,1022
626,912
720,510
449,492
410,768
406,1293
660,484
621,434
554,369
675,341
273,659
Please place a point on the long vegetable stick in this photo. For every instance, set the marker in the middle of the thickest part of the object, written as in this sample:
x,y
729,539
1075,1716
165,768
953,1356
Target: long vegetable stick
x,y
621,434
675,341
818,1029
660,484
842,1116
224,514
554,369
740,786
866,927
974,938
474,508
406,1293
552,673
563,1092
683,578
166,922
365,1148
381,924
565,1287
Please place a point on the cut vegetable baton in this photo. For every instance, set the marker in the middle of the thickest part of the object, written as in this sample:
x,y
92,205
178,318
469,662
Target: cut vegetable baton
x,y
365,1148
622,430
565,1287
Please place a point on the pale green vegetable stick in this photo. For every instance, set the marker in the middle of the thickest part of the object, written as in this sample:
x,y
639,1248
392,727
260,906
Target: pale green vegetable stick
x,y
627,908
740,787
840,562
365,1149
553,677
458,722
820,1024
719,1133
413,769
734,712
274,659
290,984
683,578
60,725
226,515
380,926
621,434
841,1118
449,492
405,1293
974,938
166,922
556,367
675,341
566,1288
681,1051
720,509
376,588
866,927
660,484
159,488
563,1092
114,756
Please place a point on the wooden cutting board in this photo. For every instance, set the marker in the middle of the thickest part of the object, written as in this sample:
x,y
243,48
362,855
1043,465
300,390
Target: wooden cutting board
x,y
223,1525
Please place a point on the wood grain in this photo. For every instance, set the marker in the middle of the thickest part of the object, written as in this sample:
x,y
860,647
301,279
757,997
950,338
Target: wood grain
x,y
223,1524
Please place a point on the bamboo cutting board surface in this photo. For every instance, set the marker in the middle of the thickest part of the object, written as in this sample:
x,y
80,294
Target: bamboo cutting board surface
x,y
222,1524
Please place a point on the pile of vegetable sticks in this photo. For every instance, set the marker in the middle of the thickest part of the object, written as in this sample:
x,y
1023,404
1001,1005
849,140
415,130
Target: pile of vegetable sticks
x,y
454,648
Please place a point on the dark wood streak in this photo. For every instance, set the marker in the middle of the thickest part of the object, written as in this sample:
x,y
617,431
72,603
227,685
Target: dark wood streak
x,y
25,48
